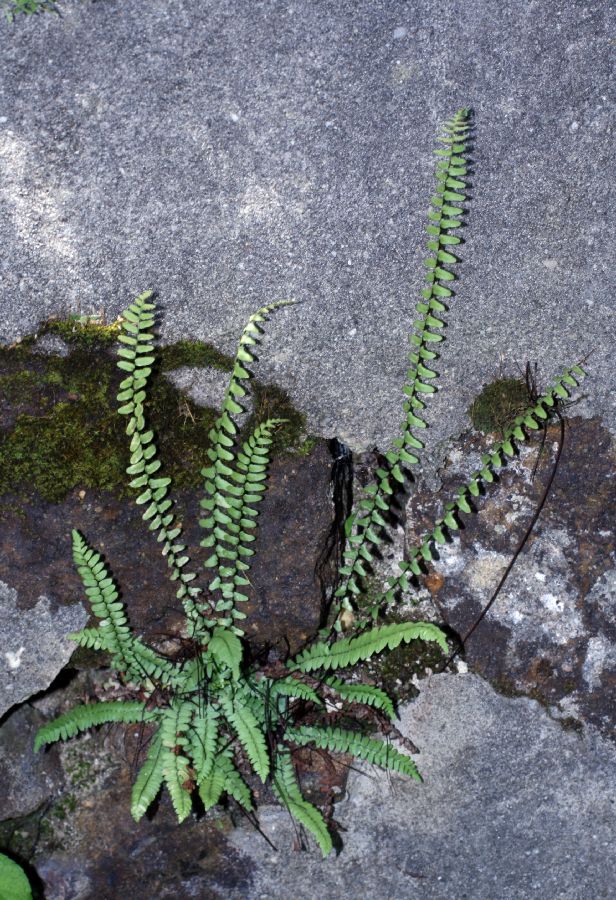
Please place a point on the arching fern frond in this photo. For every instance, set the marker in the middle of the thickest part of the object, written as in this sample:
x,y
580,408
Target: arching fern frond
x,y
348,651
369,749
85,716
286,788
136,358
364,528
113,633
367,694
291,687
234,482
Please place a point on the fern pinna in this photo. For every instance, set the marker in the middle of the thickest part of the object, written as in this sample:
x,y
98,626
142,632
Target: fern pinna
x,y
216,717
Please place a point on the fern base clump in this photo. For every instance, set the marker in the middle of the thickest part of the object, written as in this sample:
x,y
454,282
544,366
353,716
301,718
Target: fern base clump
x,y
216,716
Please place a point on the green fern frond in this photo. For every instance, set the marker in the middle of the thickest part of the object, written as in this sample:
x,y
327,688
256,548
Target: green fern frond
x,y
204,741
244,723
226,648
89,715
291,687
491,461
367,694
136,358
369,749
92,638
113,633
212,786
149,779
348,651
146,662
233,482
102,596
286,788
234,784
234,492
174,728
364,528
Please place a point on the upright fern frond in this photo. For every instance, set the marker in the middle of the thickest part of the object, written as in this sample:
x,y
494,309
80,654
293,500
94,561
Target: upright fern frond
x,y
234,482
138,322
364,528
234,492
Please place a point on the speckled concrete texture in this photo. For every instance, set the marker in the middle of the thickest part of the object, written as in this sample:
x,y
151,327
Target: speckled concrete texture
x,y
231,153
511,808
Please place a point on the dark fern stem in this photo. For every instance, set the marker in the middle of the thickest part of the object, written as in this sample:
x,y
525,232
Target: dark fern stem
x,y
331,556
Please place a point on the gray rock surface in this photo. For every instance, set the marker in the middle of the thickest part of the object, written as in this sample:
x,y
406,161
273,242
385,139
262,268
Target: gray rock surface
x,y
207,387
27,780
238,153
512,806
34,645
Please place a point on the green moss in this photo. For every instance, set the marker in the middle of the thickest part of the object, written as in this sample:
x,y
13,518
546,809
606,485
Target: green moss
x,y
193,353
499,403
86,332
271,402
12,386
70,434
67,433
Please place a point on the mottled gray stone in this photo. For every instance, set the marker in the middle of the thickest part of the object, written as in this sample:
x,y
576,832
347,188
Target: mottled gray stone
x,y
512,806
34,645
27,780
51,345
206,387
239,153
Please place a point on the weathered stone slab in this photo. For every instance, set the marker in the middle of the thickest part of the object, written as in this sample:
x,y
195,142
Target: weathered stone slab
x,y
512,806
34,645
232,156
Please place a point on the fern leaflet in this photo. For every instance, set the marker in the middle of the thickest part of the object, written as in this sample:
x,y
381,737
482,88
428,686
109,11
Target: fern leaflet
x,y
85,716
287,790
348,651
149,779
339,740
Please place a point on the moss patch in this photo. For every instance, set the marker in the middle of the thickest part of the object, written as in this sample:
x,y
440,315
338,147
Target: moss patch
x,y
192,353
83,331
59,427
66,432
499,403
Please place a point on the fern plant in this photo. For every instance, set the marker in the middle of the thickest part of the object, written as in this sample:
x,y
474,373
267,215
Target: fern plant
x,y
215,717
